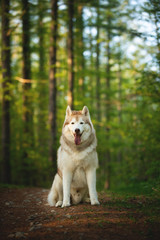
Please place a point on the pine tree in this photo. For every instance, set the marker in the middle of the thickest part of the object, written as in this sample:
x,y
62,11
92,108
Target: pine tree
x,y
53,84
108,101
98,103
70,46
6,74
153,8
42,90
79,44
26,73
41,10
109,28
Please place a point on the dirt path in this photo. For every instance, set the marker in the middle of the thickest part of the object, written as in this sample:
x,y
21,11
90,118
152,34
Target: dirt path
x,y
25,214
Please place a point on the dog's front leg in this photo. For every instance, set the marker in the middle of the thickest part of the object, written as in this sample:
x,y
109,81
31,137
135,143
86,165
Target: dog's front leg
x,y
91,181
67,178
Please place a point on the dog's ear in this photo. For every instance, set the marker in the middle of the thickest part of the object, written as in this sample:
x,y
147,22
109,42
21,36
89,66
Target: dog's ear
x,y
85,111
68,111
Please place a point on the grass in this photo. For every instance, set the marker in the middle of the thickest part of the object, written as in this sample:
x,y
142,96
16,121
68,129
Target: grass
x,y
11,186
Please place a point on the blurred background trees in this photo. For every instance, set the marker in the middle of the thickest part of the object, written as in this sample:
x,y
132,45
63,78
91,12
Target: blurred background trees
x,y
103,54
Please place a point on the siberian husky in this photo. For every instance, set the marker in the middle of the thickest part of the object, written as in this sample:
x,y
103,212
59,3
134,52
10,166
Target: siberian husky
x,y
77,162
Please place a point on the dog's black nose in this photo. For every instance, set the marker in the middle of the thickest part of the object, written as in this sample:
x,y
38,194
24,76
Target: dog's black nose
x,y
77,130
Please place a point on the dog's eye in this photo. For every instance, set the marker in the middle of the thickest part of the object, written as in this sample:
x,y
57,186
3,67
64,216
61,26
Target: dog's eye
x,y
72,122
81,122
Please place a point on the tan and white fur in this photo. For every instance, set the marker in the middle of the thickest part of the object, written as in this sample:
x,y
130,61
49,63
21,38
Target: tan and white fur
x,y
77,161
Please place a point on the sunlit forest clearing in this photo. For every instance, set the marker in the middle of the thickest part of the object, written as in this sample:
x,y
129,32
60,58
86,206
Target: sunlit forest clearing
x,y
104,54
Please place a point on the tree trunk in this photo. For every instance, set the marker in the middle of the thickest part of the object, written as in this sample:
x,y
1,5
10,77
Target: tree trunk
x,y
119,156
108,105
41,39
91,69
42,91
6,74
156,20
26,73
98,102
70,54
52,84
80,49
26,63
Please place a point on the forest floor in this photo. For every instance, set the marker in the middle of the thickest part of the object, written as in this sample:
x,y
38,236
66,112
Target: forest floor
x,y
25,214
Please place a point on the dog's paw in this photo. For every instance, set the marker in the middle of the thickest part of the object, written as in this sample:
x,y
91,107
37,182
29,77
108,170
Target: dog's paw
x,y
66,204
59,204
95,202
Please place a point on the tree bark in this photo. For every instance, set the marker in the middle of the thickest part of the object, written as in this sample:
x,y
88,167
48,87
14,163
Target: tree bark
x,y
92,66
26,63
98,102
41,38
70,54
156,6
108,104
119,156
80,48
26,73
53,84
42,91
6,74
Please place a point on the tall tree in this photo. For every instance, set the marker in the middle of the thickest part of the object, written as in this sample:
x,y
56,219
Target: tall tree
x,y
153,8
119,73
6,74
111,30
80,47
70,54
108,103
97,67
42,91
26,73
41,38
52,83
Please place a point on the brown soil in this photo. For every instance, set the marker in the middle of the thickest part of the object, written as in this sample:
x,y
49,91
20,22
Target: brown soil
x,y
25,214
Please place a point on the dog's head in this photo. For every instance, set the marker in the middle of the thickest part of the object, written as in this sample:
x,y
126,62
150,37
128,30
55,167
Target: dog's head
x,y
77,125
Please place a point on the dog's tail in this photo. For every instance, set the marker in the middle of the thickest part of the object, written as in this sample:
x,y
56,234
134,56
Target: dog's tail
x,y
55,196
52,198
